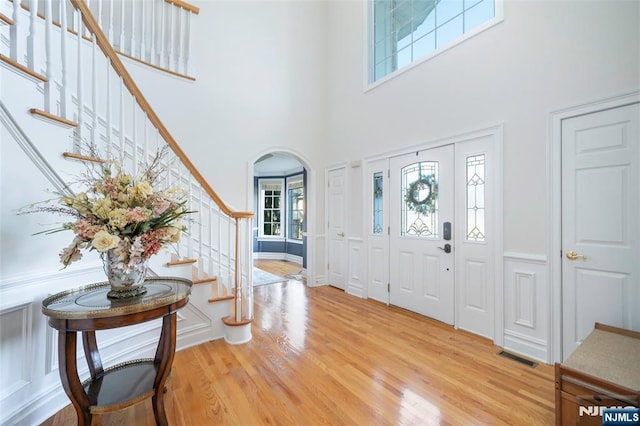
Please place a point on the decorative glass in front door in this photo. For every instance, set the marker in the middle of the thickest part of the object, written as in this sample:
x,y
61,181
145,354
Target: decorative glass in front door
x,y
420,200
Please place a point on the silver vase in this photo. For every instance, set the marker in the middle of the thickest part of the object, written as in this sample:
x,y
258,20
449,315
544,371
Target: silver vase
x,y
125,281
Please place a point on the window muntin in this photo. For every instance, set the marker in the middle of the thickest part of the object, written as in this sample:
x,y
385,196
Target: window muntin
x,y
419,206
475,198
295,207
405,31
271,208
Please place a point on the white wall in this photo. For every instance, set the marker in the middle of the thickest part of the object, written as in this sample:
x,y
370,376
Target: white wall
x,y
260,84
545,55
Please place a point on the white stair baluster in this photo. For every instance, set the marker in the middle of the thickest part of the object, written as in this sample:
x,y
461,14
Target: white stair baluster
x,y
32,59
64,90
169,32
49,86
121,42
109,112
79,94
143,31
133,30
162,59
177,48
111,7
16,49
121,126
152,34
94,92
187,44
99,17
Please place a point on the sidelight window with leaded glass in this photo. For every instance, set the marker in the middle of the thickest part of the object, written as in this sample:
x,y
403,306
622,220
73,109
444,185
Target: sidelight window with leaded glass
x,y
476,198
377,203
419,211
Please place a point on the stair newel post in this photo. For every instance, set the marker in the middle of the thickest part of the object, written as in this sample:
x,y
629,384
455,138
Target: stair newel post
x,y
32,60
238,273
64,89
216,209
17,43
80,119
48,25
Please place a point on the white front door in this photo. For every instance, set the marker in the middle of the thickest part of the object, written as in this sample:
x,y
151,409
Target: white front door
x,y
421,248
336,226
600,229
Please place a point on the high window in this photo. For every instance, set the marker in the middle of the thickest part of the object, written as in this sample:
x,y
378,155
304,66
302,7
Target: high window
x,y
406,31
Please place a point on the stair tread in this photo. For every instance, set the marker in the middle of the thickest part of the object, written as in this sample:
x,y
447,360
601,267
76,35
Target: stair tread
x,y
82,157
23,68
6,19
48,116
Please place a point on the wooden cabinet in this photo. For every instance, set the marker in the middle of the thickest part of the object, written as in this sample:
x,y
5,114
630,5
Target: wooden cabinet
x,y
603,372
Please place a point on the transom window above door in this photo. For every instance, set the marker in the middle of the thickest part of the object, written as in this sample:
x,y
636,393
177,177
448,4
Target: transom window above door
x,y
402,32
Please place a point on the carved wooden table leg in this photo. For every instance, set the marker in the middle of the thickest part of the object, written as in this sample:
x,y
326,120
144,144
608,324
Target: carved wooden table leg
x,y
92,354
163,359
69,376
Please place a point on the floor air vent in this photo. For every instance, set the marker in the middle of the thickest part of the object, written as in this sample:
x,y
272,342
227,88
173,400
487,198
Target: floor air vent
x,y
518,358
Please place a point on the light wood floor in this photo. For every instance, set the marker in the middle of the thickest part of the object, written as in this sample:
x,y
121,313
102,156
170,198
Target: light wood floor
x,y
320,356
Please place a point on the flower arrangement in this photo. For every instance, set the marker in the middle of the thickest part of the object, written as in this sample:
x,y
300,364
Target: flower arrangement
x,y
127,216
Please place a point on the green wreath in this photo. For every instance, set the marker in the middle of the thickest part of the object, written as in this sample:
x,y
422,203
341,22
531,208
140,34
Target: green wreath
x,y
420,203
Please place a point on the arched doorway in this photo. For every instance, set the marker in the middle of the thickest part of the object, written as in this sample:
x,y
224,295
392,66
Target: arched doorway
x,y
281,193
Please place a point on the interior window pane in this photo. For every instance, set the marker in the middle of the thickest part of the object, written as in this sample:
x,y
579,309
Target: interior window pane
x,y
424,45
449,31
478,14
419,209
447,10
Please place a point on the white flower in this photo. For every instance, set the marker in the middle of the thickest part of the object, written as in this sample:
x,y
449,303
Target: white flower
x,y
104,241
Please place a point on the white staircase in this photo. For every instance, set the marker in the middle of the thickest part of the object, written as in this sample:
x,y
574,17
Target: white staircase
x,y
61,89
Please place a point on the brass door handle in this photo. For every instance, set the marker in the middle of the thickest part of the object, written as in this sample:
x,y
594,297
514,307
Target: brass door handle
x,y
572,255
341,234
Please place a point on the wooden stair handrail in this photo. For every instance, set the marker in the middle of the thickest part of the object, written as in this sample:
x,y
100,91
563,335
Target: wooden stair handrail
x,y
186,6
103,42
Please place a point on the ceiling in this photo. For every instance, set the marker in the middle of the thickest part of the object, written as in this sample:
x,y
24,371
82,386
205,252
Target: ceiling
x,y
277,163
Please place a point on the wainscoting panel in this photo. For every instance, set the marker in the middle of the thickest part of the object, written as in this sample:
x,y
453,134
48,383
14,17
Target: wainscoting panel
x,y
527,310
30,387
355,277
320,269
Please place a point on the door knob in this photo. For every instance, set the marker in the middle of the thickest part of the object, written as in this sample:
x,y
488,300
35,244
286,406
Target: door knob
x,y
446,248
341,234
572,255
